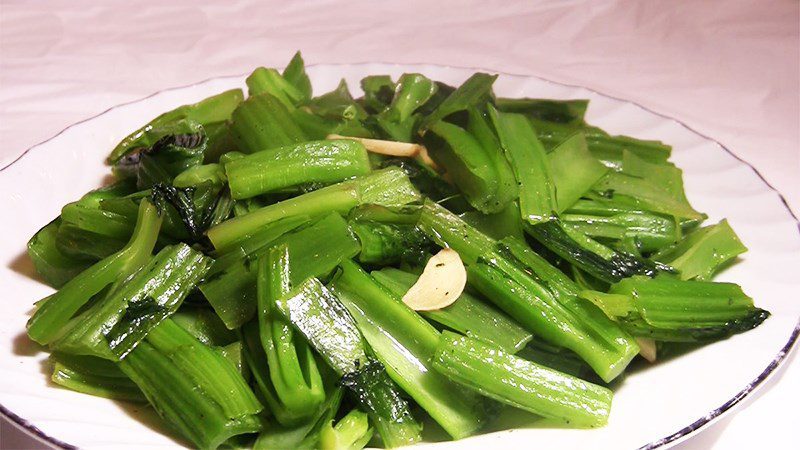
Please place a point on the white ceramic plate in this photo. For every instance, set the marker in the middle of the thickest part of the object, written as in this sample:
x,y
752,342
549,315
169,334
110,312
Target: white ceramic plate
x,y
653,407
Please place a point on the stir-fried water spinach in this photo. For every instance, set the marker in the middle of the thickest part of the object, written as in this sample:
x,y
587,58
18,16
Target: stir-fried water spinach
x,y
285,270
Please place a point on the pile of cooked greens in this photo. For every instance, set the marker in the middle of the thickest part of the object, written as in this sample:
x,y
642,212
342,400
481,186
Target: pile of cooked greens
x,y
291,271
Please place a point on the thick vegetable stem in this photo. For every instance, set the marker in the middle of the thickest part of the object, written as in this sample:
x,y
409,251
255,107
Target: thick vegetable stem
x,y
403,341
56,310
388,187
520,383
331,330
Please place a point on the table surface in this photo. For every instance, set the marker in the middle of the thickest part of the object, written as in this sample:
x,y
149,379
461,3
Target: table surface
x,y
731,71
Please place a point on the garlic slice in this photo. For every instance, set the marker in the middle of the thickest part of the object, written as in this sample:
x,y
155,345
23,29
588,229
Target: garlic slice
x,y
647,348
440,284
391,148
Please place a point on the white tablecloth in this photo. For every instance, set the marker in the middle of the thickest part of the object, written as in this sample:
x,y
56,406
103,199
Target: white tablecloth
x,y
729,69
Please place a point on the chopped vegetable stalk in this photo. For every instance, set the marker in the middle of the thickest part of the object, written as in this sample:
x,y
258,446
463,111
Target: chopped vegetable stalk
x,y
352,432
180,397
557,318
520,383
216,375
54,313
574,170
263,122
296,390
557,358
647,348
700,254
217,108
328,326
213,174
316,250
667,309
403,341
534,293
447,230
133,308
648,231
468,315
537,195
308,162
388,187
270,81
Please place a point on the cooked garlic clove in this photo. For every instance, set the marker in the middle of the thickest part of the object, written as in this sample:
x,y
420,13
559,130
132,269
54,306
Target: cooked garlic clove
x,y
647,348
440,284
391,148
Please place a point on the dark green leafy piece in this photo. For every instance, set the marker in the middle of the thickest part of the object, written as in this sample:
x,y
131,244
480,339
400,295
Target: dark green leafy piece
x,y
386,243
596,259
214,109
338,104
113,326
295,74
182,148
378,92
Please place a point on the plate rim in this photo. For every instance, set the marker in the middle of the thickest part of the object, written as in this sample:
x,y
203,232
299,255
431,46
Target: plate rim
x,y
680,435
